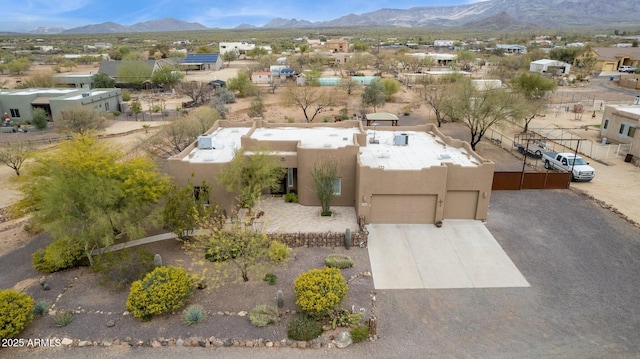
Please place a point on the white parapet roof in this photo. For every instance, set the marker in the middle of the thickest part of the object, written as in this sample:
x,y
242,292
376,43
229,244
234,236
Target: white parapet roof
x,y
228,140
423,150
314,137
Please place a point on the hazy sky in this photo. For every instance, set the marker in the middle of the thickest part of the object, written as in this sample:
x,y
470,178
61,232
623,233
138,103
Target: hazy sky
x,y
24,15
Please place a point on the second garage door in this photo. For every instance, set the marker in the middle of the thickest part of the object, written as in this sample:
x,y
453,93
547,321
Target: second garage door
x,y
461,204
403,208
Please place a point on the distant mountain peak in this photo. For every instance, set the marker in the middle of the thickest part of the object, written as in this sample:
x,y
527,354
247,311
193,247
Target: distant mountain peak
x,y
166,24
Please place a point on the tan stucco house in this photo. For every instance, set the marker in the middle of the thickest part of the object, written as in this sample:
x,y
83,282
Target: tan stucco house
x,y
611,58
402,174
619,124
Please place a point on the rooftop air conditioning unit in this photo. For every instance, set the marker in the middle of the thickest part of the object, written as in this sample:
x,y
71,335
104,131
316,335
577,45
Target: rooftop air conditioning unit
x,y
401,139
205,142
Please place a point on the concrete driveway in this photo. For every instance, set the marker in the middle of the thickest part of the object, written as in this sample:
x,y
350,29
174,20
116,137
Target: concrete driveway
x,y
460,254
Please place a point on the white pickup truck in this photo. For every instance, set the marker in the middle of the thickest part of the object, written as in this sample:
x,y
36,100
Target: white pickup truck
x,y
579,168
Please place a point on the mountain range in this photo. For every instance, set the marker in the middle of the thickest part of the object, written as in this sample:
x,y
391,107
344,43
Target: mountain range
x,y
499,15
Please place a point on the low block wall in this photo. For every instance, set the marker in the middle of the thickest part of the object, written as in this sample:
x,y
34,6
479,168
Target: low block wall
x,y
320,239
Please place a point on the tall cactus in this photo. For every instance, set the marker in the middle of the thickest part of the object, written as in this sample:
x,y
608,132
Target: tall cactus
x,y
280,298
347,238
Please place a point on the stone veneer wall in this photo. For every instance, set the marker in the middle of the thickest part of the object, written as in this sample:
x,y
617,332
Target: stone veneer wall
x,y
320,239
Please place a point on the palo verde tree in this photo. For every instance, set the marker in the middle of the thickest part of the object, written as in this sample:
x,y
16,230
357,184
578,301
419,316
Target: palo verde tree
x,y
324,172
480,110
242,85
167,75
102,80
87,194
247,175
534,88
310,99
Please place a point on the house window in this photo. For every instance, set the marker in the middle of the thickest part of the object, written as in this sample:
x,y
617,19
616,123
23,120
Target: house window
x,y
106,106
15,112
201,194
290,177
621,130
631,132
606,123
337,186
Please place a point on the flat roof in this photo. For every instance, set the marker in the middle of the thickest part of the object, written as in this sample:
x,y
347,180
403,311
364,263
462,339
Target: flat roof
x,y
314,137
229,137
423,150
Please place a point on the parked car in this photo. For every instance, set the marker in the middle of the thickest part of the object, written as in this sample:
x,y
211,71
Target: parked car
x,y
625,68
534,148
579,168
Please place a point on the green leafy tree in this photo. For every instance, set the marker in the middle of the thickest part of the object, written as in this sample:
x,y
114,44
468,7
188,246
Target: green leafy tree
x,y
466,60
248,175
229,57
102,80
134,72
80,120
187,207
311,100
136,108
167,75
242,84
534,88
87,193
374,95
14,154
324,173
480,110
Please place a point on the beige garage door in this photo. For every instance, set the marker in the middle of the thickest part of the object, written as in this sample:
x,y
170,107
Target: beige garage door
x,y
403,208
461,204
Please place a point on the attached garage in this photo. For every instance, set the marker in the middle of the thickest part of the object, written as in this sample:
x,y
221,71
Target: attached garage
x,y
461,204
393,208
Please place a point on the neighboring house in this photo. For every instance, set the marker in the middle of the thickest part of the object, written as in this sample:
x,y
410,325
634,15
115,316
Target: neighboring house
x,y
19,104
240,48
619,124
443,43
405,174
512,49
81,81
547,66
261,77
611,58
111,68
337,45
201,62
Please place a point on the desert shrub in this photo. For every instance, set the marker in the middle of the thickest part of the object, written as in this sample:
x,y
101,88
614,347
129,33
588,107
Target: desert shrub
x,y
263,315
270,278
122,268
194,314
359,333
303,327
278,251
164,290
291,197
16,312
58,255
41,307
40,118
318,291
339,261
343,318
116,113
126,95
218,251
62,319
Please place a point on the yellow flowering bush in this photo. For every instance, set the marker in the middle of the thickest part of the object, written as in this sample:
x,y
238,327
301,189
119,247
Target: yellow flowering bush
x,y
16,312
318,291
164,290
